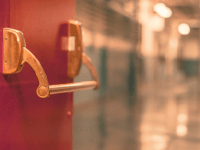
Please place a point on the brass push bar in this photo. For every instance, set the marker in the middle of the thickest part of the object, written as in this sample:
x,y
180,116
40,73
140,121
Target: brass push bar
x,y
15,54
71,87
63,88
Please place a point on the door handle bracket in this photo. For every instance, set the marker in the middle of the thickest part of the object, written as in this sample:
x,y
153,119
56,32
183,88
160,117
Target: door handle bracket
x,y
43,88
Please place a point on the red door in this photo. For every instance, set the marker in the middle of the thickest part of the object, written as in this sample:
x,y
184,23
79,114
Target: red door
x,y
28,122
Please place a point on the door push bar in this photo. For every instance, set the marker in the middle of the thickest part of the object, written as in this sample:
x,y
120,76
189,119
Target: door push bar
x,y
15,54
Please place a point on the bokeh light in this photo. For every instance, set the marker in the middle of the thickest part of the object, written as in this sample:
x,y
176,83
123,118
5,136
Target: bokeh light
x,y
181,130
162,10
184,29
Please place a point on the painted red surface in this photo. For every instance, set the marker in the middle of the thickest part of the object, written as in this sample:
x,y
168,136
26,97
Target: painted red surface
x,y
28,122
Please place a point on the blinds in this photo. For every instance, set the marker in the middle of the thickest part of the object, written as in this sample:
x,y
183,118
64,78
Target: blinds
x,y
96,15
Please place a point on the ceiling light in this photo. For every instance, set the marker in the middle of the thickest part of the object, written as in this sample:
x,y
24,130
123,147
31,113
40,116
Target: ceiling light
x,y
162,10
184,29
158,7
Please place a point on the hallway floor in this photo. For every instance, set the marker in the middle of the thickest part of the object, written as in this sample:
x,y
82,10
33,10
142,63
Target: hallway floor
x,y
164,116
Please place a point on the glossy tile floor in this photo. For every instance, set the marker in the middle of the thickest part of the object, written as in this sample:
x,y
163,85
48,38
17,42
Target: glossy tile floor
x,y
164,116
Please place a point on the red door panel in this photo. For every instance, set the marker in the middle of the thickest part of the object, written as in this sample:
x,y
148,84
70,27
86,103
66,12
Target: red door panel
x,y
28,122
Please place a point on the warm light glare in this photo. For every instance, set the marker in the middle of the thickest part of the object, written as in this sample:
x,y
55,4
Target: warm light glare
x,y
157,23
87,37
181,130
159,7
162,10
166,13
184,29
182,118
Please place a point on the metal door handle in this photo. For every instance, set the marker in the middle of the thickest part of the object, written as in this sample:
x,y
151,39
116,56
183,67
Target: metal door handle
x,y
62,88
15,54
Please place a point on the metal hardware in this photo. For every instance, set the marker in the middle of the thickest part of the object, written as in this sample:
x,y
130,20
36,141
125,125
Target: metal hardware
x,y
75,48
43,88
15,55
63,88
13,43
87,61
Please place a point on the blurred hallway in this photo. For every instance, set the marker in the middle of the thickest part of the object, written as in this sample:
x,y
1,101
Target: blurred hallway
x,y
161,117
147,55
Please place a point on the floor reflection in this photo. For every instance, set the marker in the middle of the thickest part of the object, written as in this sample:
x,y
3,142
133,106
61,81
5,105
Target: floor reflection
x,y
159,117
